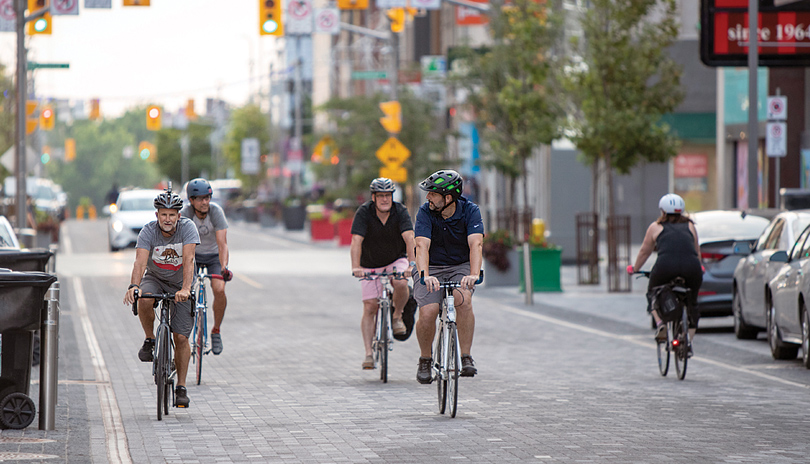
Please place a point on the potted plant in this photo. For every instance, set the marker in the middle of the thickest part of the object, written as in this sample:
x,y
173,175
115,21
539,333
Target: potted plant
x,y
320,228
545,259
294,214
342,220
500,259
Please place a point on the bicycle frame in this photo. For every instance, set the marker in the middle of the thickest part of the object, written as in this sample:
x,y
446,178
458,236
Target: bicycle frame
x,y
383,341
446,322
201,310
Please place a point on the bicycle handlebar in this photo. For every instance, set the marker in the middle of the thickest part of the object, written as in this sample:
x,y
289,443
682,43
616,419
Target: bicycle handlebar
x,y
396,275
642,274
449,283
157,296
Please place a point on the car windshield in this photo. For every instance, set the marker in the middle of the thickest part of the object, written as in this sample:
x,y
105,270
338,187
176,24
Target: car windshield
x,y
711,227
5,237
45,193
136,204
799,224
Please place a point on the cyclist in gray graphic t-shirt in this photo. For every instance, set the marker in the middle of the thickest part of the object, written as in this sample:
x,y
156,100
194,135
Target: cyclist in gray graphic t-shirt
x,y
213,250
164,263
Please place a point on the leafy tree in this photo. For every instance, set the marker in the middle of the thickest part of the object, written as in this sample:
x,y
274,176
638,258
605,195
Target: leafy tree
x,y
246,122
359,135
170,152
513,88
623,85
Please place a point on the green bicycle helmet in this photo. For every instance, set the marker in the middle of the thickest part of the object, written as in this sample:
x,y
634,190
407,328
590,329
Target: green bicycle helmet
x,y
445,182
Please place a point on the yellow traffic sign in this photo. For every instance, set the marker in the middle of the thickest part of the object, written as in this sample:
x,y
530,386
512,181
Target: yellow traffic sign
x,y
397,174
393,153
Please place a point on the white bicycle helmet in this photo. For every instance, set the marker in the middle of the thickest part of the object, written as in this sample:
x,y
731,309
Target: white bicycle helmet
x,y
671,204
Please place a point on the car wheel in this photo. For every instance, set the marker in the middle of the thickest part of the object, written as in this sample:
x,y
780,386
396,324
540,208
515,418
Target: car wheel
x,y
779,349
805,336
742,330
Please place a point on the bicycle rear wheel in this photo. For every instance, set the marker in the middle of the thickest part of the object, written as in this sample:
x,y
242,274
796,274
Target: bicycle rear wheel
x,y
453,368
441,378
199,342
663,355
382,345
681,350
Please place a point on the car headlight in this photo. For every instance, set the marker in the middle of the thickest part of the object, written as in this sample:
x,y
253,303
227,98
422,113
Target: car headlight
x,y
117,225
113,208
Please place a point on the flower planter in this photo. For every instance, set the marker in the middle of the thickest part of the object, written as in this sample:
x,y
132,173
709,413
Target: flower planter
x,y
343,227
545,266
494,277
321,229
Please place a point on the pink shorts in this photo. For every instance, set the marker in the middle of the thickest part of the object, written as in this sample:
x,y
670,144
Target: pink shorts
x,y
371,289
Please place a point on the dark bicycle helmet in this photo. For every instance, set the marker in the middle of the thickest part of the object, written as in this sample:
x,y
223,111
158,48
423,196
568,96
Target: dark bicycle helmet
x,y
168,200
445,182
382,184
198,187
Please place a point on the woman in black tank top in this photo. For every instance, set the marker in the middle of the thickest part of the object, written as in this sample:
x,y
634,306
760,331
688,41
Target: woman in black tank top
x,y
674,237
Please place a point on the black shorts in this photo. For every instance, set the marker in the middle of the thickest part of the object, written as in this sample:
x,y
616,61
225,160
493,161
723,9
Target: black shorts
x,y
209,261
182,318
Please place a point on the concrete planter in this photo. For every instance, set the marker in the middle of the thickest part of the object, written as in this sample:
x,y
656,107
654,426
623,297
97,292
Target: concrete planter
x,y
494,277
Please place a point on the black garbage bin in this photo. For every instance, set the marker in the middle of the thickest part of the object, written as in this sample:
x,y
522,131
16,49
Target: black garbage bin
x,y
34,259
22,296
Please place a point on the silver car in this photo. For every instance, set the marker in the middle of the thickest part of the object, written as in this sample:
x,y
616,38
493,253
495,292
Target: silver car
x,y
788,321
755,270
133,210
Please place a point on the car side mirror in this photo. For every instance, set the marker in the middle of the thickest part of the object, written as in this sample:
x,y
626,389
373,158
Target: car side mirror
x,y
742,248
779,257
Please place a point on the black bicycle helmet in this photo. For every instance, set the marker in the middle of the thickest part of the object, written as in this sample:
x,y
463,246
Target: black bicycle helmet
x,y
445,182
199,187
168,200
382,184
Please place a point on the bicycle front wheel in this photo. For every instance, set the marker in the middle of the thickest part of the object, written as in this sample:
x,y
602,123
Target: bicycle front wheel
x,y
682,349
441,378
199,342
161,368
382,346
453,368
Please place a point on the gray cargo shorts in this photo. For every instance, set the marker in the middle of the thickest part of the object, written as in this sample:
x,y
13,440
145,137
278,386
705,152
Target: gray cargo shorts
x,y
182,318
453,272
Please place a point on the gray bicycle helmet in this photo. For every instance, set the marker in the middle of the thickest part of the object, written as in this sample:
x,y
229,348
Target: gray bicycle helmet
x,y
198,187
382,184
168,200
445,182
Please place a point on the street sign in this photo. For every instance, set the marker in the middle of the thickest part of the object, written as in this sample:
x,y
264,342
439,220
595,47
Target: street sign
x,y
397,174
98,3
299,17
433,66
8,17
64,7
250,156
776,139
35,65
327,21
369,75
393,153
777,108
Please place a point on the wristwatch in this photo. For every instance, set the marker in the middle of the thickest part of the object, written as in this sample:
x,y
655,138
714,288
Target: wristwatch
x,y
133,285
412,264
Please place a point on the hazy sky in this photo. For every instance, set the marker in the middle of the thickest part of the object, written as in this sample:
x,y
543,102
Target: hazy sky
x,y
165,53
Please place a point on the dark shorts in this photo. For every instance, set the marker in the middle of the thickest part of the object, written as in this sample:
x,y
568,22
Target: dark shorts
x,y
182,319
210,261
443,273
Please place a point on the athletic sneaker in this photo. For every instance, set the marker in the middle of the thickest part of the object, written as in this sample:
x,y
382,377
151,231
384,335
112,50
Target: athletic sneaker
x,y
368,363
216,343
424,375
468,366
145,353
661,333
180,397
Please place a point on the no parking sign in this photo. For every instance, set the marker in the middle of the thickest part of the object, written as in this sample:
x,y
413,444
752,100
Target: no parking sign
x,y
777,108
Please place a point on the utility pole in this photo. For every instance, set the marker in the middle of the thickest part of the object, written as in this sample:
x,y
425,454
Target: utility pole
x,y
22,97
753,107
298,126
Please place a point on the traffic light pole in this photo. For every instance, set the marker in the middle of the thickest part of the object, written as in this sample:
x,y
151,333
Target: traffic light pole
x,y
21,98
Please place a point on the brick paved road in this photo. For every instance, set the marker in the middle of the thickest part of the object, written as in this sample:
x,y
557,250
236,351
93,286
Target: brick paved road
x,y
557,383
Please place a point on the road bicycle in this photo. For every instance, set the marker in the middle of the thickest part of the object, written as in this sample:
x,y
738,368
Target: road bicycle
x,y
163,368
678,342
446,367
383,341
199,333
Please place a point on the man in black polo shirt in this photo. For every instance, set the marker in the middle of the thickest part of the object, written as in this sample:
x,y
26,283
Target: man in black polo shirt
x,y
382,240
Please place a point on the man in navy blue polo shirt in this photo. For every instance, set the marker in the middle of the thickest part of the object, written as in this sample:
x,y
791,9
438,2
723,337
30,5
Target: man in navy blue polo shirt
x,y
449,242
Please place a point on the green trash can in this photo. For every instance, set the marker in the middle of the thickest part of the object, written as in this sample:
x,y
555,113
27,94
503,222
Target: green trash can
x,y
545,266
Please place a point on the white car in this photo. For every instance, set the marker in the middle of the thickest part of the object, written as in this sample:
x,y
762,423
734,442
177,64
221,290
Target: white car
x,y
133,210
8,239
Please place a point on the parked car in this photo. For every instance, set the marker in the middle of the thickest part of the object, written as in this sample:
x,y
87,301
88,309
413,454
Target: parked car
x,y
133,210
8,239
788,322
718,231
755,270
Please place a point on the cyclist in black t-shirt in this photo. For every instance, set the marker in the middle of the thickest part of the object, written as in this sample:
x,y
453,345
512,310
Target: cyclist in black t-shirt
x,y
382,240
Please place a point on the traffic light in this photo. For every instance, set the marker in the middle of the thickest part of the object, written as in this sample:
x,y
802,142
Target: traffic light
x,y
147,151
136,2
95,109
31,123
190,114
46,118
392,122
153,115
397,17
353,4
46,154
41,25
70,149
270,22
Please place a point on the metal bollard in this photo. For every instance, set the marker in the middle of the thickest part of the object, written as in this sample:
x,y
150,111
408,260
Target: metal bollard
x,y
49,363
27,237
527,274
51,264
